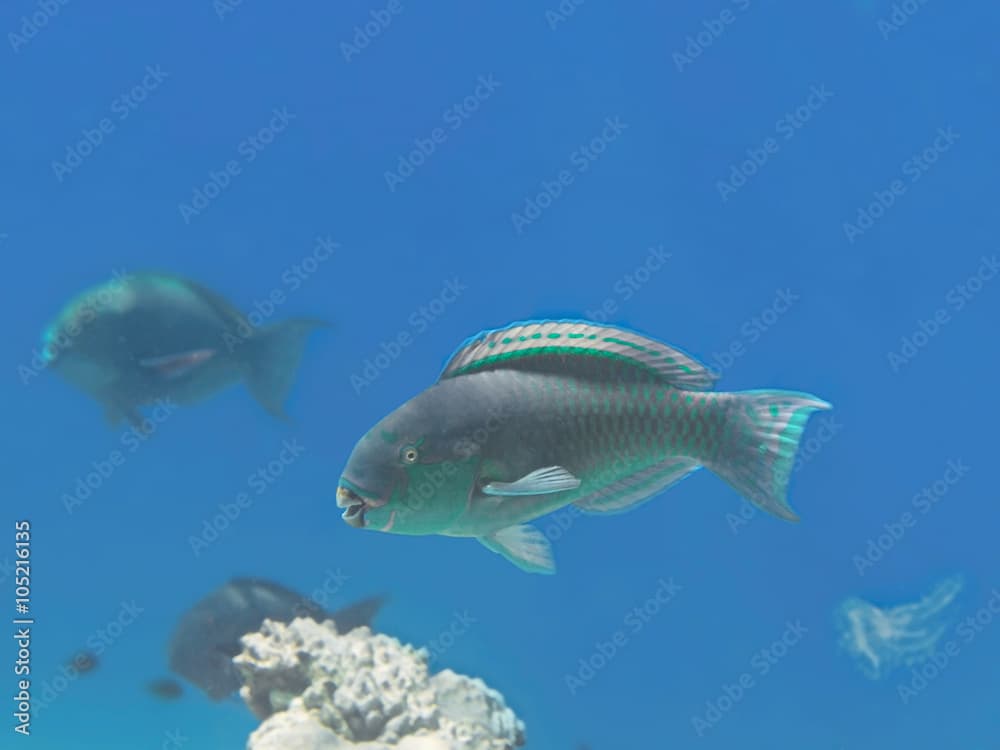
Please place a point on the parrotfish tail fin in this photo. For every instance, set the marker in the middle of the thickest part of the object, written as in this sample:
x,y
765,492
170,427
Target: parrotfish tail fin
x,y
356,615
758,452
273,355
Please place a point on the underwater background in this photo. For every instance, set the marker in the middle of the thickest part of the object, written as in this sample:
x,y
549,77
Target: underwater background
x,y
801,195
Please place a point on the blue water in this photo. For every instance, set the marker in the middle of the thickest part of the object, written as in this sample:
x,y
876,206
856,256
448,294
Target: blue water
x,y
591,140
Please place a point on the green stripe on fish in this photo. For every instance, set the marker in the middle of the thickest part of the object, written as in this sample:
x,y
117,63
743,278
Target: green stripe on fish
x,y
542,414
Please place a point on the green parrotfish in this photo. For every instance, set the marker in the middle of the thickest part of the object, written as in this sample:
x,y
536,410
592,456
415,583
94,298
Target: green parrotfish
x,y
145,337
529,418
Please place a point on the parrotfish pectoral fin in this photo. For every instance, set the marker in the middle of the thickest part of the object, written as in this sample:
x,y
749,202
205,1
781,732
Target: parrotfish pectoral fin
x,y
635,489
172,366
758,453
539,482
580,348
272,357
523,545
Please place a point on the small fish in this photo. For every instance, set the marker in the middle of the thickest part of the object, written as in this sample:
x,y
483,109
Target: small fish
x,y
146,337
207,637
166,689
84,662
532,417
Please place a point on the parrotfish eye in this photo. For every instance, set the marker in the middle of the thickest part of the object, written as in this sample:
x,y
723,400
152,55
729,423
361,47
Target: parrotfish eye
x,y
410,454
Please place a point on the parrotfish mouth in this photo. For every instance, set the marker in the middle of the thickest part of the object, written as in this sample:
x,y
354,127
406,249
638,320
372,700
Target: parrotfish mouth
x,y
355,506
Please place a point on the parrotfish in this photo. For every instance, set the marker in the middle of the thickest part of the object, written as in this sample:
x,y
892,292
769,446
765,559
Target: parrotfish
x,y
207,637
532,417
146,337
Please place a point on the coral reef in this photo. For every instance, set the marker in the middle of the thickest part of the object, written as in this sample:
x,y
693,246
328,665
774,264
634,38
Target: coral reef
x,y
318,690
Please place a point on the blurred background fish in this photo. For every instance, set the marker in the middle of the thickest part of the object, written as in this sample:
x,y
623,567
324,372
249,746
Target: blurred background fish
x,y
207,636
144,337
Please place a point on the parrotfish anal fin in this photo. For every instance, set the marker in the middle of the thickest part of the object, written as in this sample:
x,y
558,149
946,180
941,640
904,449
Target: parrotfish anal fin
x,y
543,481
523,545
578,347
172,366
632,491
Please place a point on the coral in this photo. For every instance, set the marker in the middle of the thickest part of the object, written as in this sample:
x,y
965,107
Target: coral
x,y
315,688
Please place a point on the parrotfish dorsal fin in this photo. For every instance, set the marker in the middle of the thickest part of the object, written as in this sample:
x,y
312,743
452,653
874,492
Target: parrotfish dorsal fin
x,y
577,345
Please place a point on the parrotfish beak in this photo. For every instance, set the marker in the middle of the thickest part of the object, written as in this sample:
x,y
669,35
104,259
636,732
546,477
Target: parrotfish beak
x,y
355,506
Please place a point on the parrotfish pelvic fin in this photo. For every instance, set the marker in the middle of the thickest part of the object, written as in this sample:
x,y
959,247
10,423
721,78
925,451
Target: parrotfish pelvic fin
x,y
523,545
114,413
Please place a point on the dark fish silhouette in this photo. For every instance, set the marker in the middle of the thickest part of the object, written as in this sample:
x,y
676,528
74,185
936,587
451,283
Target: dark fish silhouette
x,y
84,662
145,337
166,689
207,637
